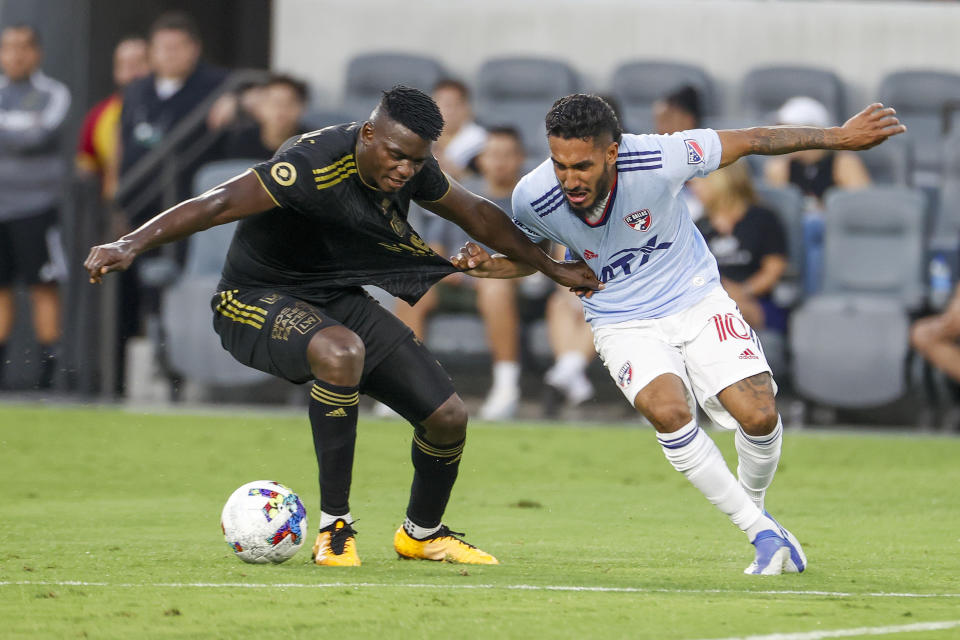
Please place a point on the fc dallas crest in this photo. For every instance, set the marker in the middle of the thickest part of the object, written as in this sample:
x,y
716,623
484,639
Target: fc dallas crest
x,y
639,220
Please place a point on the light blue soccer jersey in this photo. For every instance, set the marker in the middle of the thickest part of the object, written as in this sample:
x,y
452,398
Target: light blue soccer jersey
x,y
645,248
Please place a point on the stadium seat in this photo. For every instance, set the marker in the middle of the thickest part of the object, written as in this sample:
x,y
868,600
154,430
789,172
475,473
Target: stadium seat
x,y
850,351
922,99
370,74
874,244
519,91
192,348
319,118
890,162
765,89
637,84
788,204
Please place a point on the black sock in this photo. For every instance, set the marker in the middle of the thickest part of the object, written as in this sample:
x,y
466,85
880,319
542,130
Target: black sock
x,y
48,365
434,472
333,419
3,360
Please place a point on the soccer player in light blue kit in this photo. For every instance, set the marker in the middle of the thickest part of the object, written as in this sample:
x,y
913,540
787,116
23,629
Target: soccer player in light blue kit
x,y
667,332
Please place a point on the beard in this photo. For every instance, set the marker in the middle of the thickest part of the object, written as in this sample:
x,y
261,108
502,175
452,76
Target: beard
x,y
601,191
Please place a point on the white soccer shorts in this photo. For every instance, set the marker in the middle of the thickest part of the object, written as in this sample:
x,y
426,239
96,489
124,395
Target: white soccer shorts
x,y
709,346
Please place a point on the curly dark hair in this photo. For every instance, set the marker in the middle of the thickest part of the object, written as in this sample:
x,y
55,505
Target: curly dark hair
x,y
582,116
413,109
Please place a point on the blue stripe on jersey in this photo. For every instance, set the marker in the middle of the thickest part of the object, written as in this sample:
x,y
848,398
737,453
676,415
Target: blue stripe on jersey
x,y
646,167
556,205
640,162
558,197
640,153
543,197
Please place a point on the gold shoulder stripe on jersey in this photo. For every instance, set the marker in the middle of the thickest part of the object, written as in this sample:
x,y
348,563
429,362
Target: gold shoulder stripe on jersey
x,y
335,166
332,183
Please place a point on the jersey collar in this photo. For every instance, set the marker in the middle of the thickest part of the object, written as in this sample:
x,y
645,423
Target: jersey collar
x,y
606,210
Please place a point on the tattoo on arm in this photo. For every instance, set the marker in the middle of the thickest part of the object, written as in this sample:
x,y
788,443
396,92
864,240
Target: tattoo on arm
x,y
769,141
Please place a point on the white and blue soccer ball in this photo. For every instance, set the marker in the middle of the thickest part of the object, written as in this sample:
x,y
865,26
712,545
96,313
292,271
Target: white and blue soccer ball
x,y
264,521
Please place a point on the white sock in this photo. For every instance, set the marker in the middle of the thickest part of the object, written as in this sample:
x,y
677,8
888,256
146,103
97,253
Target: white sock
x,y
693,453
758,458
570,365
506,373
417,532
326,519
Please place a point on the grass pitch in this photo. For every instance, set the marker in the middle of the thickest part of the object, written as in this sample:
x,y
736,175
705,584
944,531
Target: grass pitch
x,y
110,529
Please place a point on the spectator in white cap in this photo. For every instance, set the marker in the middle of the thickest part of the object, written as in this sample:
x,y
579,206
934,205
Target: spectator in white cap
x,y
814,171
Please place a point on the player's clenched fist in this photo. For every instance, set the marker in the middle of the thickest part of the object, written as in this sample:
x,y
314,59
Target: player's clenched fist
x,y
104,258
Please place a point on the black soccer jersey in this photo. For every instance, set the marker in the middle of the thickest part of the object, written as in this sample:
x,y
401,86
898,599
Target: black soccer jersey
x,y
330,230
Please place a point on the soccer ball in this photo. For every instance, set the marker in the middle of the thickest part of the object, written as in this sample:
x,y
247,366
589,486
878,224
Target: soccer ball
x,y
264,521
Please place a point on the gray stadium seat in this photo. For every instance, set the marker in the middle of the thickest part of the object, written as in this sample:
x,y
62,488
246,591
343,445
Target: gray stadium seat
x,y
370,74
890,162
920,97
192,348
788,203
519,91
945,236
874,243
850,351
637,84
765,89
319,118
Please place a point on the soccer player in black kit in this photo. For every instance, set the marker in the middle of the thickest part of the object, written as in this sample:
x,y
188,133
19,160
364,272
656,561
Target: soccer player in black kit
x,y
324,216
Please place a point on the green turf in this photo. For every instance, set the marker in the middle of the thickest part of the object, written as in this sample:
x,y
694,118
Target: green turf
x,y
133,501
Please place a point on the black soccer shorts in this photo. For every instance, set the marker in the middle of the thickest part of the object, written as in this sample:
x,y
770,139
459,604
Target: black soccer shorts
x,y
270,331
28,248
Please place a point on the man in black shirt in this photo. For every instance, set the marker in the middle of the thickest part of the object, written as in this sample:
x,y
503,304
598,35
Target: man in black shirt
x,y
326,215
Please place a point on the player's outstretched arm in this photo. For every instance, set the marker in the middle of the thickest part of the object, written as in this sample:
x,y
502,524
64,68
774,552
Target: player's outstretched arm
x,y
486,222
237,198
867,129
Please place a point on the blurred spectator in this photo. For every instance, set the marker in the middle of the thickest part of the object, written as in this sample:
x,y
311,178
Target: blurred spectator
x,y
571,343
680,111
237,108
32,111
748,241
282,104
152,107
936,338
814,172
99,146
501,166
462,139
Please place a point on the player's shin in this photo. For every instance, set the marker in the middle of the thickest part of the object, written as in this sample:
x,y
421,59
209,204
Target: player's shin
x,y
333,419
694,454
435,471
758,459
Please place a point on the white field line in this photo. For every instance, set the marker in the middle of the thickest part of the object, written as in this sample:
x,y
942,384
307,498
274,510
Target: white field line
x,y
506,587
846,633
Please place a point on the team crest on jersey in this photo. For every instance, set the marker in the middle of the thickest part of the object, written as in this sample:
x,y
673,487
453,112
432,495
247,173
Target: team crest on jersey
x,y
625,375
694,152
589,255
284,173
639,220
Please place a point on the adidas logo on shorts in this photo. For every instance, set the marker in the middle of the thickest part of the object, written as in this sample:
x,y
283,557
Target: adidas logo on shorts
x,y
749,355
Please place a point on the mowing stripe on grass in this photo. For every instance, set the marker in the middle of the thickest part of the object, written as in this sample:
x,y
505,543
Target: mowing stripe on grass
x,y
846,633
414,585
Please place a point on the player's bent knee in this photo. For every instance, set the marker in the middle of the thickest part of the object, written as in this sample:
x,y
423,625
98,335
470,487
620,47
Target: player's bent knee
x,y
336,355
668,417
448,424
761,421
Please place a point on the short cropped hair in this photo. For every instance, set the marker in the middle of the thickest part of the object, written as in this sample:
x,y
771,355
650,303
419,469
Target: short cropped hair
x,y
22,26
299,87
413,109
452,83
583,116
686,99
177,21
508,131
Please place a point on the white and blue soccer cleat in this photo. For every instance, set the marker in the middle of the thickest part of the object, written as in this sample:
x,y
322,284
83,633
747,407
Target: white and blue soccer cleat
x,y
778,551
